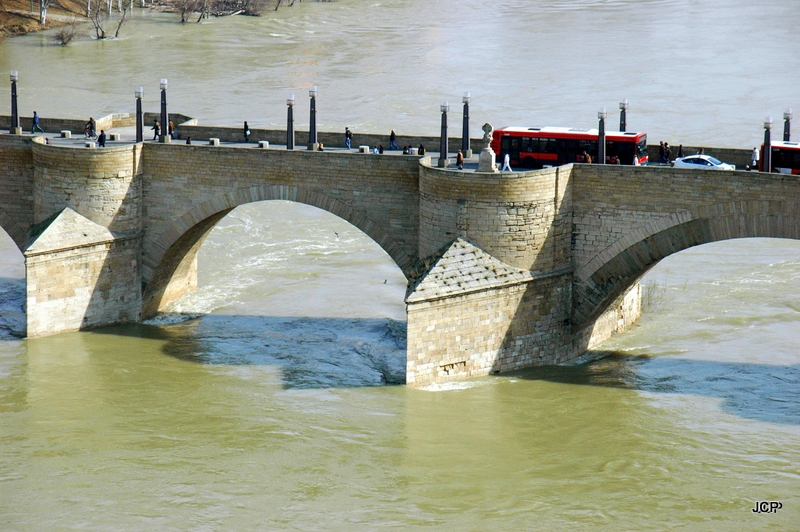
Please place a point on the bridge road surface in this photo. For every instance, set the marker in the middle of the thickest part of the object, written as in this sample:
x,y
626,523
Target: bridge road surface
x,y
128,136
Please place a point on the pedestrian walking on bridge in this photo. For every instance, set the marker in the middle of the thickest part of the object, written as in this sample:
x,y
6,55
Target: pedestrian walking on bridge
x,y
393,141
460,160
348,137
506,164
35,123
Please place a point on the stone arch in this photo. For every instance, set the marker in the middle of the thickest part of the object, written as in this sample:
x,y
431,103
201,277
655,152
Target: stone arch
x,y
170,262
615,269
14,230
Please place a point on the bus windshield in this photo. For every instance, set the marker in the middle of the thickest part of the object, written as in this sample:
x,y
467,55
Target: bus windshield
x,y
641,147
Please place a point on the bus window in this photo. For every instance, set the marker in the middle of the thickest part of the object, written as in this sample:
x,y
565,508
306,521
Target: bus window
x,y
510,145
623,151
569,151
588,146
527,144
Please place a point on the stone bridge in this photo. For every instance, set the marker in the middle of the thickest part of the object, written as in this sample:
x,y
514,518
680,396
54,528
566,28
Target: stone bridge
x,y
505,270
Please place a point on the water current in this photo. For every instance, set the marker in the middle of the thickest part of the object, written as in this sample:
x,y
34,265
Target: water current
x,y
264,400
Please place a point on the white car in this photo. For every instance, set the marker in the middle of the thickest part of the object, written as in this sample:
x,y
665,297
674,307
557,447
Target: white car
x,y
706,162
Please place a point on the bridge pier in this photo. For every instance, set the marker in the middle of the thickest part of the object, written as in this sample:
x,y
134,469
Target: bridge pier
x,y
83,255
79,275
474,315
499,297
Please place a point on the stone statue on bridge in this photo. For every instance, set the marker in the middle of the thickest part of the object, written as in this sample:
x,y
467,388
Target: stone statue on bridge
x,y
487,133
486,160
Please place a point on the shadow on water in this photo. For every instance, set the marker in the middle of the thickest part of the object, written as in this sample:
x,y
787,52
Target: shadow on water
x,y
761,392
309,352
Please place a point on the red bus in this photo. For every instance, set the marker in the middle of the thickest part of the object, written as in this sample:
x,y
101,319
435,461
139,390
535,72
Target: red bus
x,y
785,158
535,147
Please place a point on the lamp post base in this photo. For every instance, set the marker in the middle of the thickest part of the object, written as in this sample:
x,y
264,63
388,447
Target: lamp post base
x,y
164,139
467,154
444,163
314,146
16,131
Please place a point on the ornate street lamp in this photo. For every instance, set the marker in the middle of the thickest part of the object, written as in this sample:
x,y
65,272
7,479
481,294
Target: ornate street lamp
x,y
443,141
15,129
164,116
139,116
601,138
623,107
787,119
312,127
465,130
290,122
766,159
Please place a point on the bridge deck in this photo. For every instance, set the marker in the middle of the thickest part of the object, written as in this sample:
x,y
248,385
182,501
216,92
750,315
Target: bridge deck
x,y
128,136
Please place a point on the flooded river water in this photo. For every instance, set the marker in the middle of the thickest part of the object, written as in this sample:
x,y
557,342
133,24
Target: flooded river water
x,y
260,401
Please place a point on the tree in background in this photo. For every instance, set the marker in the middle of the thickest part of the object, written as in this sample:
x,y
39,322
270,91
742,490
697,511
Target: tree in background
x,y
43,5
100,21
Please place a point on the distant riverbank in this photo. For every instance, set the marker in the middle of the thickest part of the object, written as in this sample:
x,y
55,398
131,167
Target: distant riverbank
x,y
18,17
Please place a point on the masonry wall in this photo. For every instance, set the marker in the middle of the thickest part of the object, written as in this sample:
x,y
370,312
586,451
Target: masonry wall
x,y
489,331
102,184
83,286
16,194
522,218
505,329
620,315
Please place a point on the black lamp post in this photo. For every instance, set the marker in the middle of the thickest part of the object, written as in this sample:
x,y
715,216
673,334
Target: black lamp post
x,y
601,138
465,130
290,122
15,129
766,159
443,141
787,119
164,116
139,117
623,107
312,127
